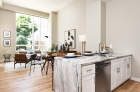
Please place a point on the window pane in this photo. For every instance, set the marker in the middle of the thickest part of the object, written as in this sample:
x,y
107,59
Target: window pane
x,y
23,34
43,40
30,32
36,35
23,47
44,22
42,48
36,21
22,18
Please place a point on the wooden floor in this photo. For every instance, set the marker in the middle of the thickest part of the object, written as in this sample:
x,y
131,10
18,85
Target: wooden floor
x,y
129,86
20,81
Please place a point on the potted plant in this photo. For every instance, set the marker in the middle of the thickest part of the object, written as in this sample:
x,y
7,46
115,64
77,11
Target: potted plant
x,y
53,47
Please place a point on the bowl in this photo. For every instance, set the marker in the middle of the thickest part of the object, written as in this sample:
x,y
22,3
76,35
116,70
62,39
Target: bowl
x,y
70,54
49,53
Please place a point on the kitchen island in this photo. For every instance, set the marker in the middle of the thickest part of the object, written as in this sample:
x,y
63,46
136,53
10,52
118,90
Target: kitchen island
x,y
69,73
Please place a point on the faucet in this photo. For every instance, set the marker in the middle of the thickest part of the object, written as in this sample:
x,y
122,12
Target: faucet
x,y
99,53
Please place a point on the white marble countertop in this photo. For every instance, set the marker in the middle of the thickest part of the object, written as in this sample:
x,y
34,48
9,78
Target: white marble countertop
x,y
84,60
68,73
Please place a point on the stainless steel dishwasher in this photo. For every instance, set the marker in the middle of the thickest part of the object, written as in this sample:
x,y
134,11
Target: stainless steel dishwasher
x,y
103,76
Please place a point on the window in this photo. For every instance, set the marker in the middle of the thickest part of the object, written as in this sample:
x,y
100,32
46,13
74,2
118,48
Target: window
x,y
30,32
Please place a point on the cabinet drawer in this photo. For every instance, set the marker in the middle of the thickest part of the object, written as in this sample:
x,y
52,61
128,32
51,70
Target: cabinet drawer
x,y
129,58
116,62
87,70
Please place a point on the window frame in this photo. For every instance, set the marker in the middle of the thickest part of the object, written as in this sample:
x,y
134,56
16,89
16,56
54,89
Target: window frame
x,y
33,25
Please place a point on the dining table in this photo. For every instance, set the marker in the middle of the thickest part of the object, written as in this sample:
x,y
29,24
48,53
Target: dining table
x,y
47,58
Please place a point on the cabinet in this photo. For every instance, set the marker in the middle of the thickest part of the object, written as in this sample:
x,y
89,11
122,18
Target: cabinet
x,y
128,70
116,76
88,78
124,72
88,83
120,71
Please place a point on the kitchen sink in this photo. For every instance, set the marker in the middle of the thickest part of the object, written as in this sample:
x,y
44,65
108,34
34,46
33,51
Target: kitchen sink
x,y
108,55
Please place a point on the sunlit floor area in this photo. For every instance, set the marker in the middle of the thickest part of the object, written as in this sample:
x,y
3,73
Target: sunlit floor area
x,y
18,79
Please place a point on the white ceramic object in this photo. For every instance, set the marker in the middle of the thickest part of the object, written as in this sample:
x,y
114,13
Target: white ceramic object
x,y
88,53
70,54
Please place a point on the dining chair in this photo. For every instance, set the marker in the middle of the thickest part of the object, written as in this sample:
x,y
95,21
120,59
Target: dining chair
x,y
37,51
36,62
78,53
60,54
21,58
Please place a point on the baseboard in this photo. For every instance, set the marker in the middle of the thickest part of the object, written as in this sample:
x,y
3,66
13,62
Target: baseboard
x,y
135,79
2,60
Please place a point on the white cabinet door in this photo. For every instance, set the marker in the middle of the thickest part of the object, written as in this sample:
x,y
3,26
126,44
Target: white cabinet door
x,y
113,78
128,70
88,83
116,77
119,75
124,74
120,72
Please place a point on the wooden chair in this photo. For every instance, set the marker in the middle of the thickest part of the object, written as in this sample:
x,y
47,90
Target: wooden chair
x,y
21,58
78,53
37,51
60,54
22,52
87,52
48,59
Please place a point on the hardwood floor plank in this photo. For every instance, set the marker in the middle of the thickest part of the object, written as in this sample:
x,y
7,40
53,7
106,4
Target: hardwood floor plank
x,y
128,86
20,81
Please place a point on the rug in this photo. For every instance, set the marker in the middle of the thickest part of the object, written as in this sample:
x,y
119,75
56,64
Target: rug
x,y
9,66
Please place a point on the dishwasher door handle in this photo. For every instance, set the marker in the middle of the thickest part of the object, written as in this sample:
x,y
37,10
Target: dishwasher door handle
x,y
104,65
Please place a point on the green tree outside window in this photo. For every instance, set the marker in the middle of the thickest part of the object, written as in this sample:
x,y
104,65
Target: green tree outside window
x,y
24,31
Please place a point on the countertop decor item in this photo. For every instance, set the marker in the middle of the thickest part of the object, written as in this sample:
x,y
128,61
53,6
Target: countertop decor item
x,y
54,47
82,38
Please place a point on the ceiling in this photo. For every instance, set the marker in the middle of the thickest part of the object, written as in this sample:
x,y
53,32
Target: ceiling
x,y
42,5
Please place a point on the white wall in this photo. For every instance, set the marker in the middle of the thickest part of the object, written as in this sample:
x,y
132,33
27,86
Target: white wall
x,y
7,22
103,22
0,3
54,27
85,16
72,17
93,24
123,29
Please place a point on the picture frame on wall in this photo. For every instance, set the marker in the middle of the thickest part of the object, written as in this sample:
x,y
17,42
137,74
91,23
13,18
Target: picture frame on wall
x,y
7,34
70,38
6,42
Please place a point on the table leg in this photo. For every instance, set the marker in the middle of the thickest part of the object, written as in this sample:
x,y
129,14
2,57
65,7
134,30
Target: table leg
x,y
44,65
